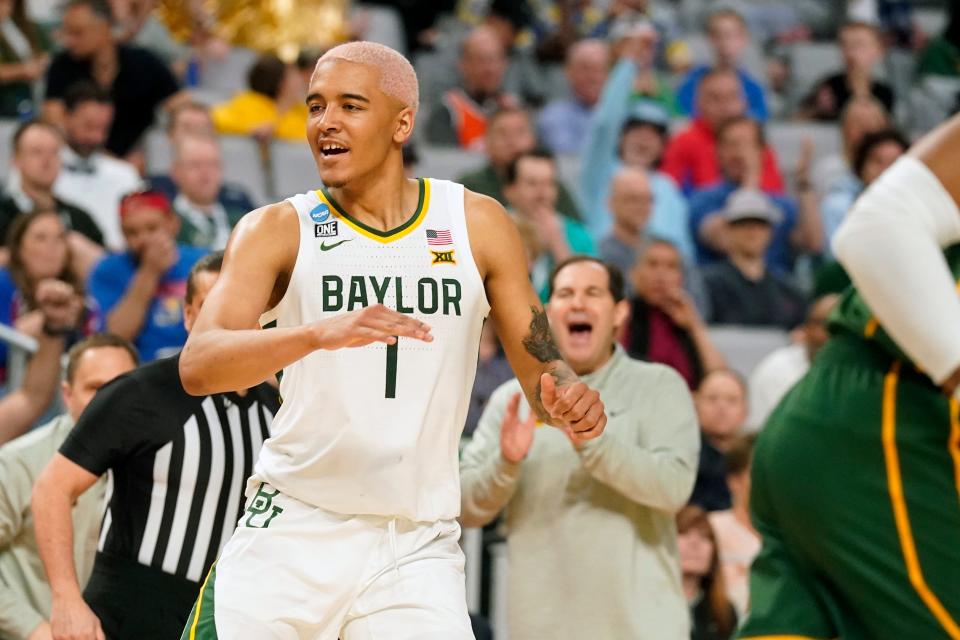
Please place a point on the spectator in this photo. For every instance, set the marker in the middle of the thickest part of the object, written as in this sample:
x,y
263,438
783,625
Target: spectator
x,y
729,39
665,325
713,616
169,454
36,159
509,133
721,403
637,39
743,289
140,291
861,115
21,407
875,153
738,543
492,371
137,24
941,56
622,489
137,81
39,260
208,208
862,49
272,106
532,193
190,118
23,59
90,178
781,369
740,146
461,118
630,130
691,157
564,122
25,598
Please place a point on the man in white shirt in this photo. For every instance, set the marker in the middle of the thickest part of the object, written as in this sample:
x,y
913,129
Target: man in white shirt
x,y
781,369
90,178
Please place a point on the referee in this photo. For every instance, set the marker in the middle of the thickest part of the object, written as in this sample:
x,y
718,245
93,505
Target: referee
x,y
177,468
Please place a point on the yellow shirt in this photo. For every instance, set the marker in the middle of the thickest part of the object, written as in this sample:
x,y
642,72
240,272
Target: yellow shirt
x,y
249,110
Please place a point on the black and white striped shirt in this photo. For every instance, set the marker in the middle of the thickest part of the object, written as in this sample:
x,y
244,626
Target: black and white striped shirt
x,y
177,464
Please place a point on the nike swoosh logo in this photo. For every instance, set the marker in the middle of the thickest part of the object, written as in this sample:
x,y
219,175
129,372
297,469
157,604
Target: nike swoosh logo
x,y
326,247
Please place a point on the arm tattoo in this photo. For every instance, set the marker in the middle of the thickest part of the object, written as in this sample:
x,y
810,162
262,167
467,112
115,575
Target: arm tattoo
x,y
539,342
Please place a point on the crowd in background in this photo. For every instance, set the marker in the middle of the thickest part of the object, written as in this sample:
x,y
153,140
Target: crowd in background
x,y
664,106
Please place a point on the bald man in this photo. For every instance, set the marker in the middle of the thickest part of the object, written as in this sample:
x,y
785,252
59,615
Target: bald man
x,y
563,124
631,203
378,286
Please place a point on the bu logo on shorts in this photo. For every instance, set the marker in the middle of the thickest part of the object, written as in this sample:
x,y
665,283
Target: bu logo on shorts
x,y
261,505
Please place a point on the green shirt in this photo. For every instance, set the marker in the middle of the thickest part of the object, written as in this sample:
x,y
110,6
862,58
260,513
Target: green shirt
x,y
940,58
591,538
853,315
24,592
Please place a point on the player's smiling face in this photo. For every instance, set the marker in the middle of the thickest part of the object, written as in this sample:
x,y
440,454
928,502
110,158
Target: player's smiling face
x,y
584,316
353,125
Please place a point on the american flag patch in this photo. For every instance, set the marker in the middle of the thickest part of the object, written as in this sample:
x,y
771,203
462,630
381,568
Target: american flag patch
x,y
439,237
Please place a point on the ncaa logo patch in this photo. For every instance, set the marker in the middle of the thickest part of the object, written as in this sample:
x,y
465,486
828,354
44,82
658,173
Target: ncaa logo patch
x,y
325,229
320,213
443,257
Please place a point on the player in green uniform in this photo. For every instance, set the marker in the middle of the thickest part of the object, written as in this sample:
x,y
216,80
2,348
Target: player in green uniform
x,y
856,476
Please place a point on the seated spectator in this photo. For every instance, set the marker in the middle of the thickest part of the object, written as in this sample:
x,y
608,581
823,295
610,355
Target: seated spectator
x,y
738,543
740,146
862,49
62,309
190,118
873,155
664,324
721,403
729,39
137,81
137,24
781,369
39,258
461,117
861,115
509,133
23,59
208,208
941,56
272,106
531,190
691,157
631,131
563,123
36,159
140,292
90,178
743,289
712,615
26,600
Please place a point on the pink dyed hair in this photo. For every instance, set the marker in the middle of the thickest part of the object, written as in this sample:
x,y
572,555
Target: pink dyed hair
x,y
397,77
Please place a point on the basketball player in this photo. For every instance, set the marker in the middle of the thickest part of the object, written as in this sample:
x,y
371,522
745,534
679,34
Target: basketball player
x,y
378,285
856,474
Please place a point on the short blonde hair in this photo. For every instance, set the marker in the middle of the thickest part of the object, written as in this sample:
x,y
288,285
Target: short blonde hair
x,y
397,77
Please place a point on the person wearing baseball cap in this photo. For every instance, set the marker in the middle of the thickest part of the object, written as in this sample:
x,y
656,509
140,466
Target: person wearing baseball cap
x,y
140,291
742,290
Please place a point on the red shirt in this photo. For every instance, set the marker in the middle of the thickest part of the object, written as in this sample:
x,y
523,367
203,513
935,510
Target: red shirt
x,y
691,159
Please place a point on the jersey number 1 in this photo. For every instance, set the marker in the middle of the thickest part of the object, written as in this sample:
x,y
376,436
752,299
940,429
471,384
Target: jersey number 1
x,y
391,388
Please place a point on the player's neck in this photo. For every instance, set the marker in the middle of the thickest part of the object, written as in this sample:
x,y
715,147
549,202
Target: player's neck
x,y
380,201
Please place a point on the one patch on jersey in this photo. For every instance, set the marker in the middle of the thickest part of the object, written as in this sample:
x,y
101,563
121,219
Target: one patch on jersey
x,y
320,213
325,230
443,257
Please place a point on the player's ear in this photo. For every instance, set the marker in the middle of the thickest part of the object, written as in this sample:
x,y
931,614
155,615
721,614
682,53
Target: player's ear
x,y
404,125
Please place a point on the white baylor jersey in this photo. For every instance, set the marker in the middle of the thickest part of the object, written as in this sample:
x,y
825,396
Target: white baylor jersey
x,y
375,429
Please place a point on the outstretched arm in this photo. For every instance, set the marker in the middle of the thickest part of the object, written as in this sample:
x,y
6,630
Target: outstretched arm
x,y
223,352
552,389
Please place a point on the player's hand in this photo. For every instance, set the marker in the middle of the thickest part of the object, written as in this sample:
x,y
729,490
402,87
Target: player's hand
x,y
516,436
73,620
370,324
575,407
